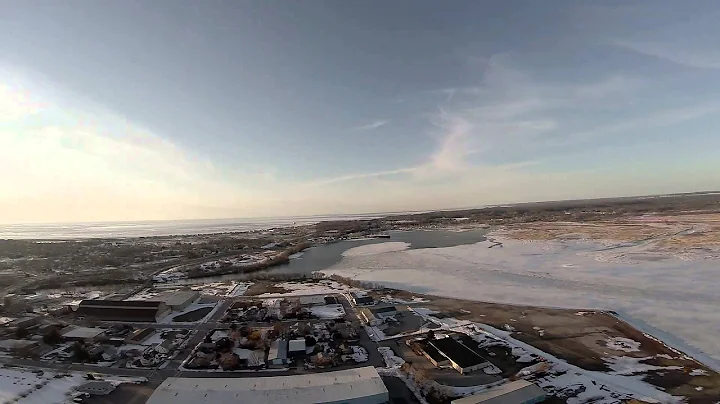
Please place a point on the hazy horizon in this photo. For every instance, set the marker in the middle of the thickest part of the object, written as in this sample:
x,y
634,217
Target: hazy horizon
x,y
136,111
342,215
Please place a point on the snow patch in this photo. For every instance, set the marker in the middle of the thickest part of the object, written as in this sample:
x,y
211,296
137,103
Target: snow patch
x,y
373,249
391,360
622,344
328,312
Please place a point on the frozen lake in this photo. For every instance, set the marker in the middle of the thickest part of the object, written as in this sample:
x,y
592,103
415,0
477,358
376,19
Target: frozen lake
x,y
327,255
673,295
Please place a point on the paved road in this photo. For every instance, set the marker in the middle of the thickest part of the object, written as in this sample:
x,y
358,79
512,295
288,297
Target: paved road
x,y
374,357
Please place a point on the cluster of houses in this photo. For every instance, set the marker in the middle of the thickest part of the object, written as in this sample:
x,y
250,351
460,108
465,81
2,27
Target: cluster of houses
x,y
275,309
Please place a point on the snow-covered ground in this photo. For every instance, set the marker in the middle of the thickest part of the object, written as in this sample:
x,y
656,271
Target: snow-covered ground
x,y
223,288
314,288
24,386
328,312
674,295
372,249
168,319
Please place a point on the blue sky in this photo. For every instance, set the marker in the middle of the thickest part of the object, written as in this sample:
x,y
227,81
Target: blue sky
x,y
182,109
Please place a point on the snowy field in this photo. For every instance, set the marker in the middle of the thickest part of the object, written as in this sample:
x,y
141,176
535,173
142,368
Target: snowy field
x,y
674,295
24,386
623,382
168,319
309,288
328,312
372,249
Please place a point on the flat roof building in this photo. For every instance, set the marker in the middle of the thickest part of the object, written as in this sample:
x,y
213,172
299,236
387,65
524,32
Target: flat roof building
x,y
139,335
384,312
361,299
434,356
296,347
462,358
517,392
278,352
178,300
81,333
352,386
96,387
368,317
18,346
123,310
24,322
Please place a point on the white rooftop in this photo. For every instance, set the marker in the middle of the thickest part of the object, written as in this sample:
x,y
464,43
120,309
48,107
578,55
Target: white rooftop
x,y
296,345
176,297
519,391
83,332
15,343
330,387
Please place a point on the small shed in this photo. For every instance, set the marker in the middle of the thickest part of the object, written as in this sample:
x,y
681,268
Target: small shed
x,y
96,387
82,333
278,352
296,348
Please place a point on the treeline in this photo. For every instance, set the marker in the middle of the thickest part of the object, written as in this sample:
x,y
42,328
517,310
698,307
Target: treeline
x,y
281,258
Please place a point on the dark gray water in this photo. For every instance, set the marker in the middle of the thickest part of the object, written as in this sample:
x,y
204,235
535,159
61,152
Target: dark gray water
x,y
327,255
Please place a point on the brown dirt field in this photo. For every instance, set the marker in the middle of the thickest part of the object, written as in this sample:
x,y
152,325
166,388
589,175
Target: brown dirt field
x,y
260,287
580,339
669,230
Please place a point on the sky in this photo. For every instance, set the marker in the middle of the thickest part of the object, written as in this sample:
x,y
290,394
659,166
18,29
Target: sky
x,y
137,110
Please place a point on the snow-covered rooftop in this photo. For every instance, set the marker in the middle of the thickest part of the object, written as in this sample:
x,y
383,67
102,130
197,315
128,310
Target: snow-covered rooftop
x,y
83,333
519,391
344,385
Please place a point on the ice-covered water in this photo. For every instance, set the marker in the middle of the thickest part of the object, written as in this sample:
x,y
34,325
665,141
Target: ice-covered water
x,y
676,296
63,231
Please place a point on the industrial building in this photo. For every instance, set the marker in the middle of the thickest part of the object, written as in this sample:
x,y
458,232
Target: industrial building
x,y
278,353
139,335
352,386
25,322
362,299
517,392
123,310
81,333
377,315
434,356
178,300
96,387
18,346
296,347
462,358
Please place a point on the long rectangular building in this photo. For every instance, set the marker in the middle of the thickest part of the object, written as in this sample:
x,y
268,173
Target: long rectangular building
x,y
517,392
352,386
123,310
463,358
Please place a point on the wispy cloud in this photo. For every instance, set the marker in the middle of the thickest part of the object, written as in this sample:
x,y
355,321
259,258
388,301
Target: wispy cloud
x,y
373,125
676,53
361,176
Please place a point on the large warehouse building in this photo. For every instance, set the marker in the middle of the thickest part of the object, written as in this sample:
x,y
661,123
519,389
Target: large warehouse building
x,y
123,310
517,392
178,300
352,386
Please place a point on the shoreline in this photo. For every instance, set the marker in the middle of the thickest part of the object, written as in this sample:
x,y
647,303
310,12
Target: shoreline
x,y
557,274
